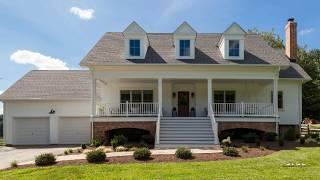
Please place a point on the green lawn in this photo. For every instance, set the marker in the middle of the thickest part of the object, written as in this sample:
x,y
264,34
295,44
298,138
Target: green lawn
x,y
269,167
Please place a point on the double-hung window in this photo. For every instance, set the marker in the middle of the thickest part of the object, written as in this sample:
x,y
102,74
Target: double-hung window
x,y
224,96
134,47
234,48
184,48
136,96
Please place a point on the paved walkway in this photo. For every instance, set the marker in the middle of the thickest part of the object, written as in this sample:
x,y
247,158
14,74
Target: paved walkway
x,y
26,153
127,153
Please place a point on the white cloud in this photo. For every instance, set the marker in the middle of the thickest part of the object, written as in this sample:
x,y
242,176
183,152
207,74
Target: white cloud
x,y
177,6
84,14
40,61
303,32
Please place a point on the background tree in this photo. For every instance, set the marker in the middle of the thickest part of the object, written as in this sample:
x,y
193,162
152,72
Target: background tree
x,y
310,62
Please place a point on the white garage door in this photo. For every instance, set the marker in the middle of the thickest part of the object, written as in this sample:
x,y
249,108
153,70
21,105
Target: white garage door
x,y
74,130
31,131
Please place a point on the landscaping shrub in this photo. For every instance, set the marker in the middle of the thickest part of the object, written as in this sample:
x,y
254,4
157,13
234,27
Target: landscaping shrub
x,y
45,159
225,134
258,142
83,146
314,135
70,150
118,141
14,164
302,140
250,137
245,149
147,138
183,153
262,148
66,152
96,156
79,150
97,142
142,154
230,151
290,134
269,136
281,142
121,149
226,142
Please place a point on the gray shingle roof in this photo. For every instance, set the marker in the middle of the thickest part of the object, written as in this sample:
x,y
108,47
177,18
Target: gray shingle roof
x,y
295,71
53,84
110,50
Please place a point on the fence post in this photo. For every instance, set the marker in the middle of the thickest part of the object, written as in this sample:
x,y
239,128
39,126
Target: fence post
x,y
127,108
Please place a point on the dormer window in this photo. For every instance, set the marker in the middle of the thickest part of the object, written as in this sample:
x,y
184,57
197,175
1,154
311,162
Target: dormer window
x,y
134,47
184,47
234,48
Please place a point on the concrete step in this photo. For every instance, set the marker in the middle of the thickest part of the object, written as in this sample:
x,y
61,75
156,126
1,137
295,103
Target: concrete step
x,y
186,142
200,146
181,135
186,139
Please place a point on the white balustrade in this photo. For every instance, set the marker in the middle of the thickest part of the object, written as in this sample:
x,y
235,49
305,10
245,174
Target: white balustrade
x,y
243,109
127,109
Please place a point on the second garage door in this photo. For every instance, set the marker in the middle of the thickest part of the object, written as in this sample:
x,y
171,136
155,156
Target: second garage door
x,y
74,130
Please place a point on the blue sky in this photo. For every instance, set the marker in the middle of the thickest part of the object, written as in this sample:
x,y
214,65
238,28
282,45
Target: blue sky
x,y
58,33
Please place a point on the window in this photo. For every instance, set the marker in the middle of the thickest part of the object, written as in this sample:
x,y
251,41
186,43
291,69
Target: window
x,y
224,96
136,96
134,47
234,48
184,47
280,99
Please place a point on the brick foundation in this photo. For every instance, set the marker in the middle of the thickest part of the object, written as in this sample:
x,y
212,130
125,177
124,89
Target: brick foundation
x,y
262,126
283,128
100,128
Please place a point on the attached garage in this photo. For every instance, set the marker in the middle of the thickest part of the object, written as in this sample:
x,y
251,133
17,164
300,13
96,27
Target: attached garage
x,y
31,131
74,130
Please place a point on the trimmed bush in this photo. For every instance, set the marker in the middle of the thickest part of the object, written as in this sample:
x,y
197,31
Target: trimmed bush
x,y
118,141
142,154
290,134
147,138
70,150
96,156
83,146
183,153
245,149
269,136
45,159
66,152
314,136
226,142
97,142
225,134
230,151
281,142
250,137
262,148
302,140
14,164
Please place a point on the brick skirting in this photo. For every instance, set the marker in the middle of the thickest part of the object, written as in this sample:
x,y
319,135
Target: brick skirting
x,y
262,126
100,128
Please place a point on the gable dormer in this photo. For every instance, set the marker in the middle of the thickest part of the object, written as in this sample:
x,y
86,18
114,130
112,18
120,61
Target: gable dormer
x,y
135,41
184,41
231,44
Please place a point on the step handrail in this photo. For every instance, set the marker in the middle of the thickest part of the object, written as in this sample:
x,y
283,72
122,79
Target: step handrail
x,y
158,127
214,124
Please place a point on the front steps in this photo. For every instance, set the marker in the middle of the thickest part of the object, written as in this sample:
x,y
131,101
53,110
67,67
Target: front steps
x,y
191,132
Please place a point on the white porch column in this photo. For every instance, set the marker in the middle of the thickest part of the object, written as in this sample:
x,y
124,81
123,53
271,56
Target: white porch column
x,y
93,102
160,95
209,93
275,102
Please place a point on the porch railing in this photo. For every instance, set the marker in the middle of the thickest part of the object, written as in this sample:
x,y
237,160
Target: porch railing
x,y
127,109
243,109
214,125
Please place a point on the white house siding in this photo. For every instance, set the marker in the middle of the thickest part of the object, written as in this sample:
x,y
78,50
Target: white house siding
x,y
35,109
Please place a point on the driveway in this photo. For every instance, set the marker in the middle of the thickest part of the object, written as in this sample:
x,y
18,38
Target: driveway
x,y
27,153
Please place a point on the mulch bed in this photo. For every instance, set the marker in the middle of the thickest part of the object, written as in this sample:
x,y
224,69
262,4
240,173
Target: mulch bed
x,y
253,152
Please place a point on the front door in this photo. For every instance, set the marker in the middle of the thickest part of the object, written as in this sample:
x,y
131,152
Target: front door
x,y
183,103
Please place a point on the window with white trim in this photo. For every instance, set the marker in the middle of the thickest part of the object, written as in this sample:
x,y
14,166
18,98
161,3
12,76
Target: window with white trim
x,y
234,48
184,48
134,47
136,96
224,96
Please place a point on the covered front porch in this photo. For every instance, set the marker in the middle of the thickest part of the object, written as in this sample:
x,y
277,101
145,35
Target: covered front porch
x,y
185,97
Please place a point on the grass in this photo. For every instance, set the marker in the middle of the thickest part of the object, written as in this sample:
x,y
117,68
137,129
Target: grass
x,y
268,167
